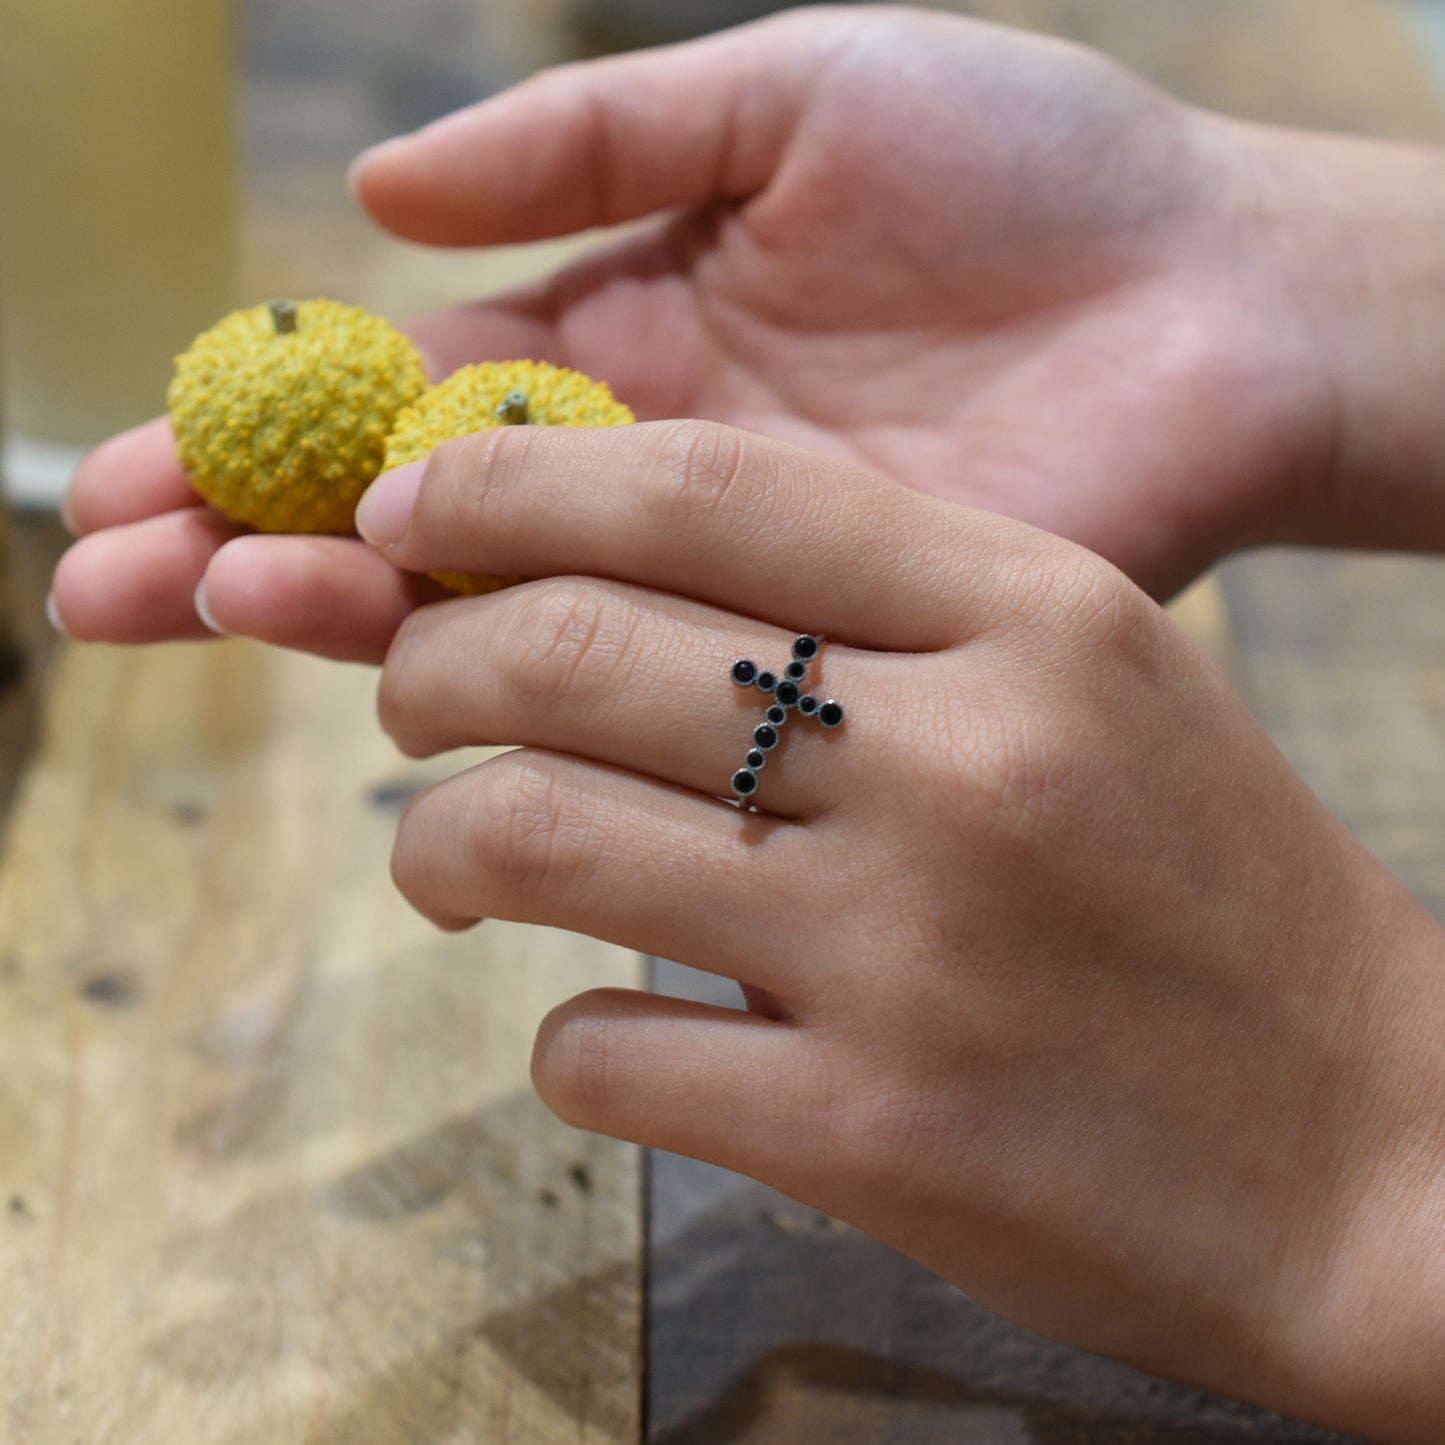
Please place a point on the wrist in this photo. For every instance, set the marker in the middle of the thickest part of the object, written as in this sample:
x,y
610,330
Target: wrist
x,y
1352,231
1361,1312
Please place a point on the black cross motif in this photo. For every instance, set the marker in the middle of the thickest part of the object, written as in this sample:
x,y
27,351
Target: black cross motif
x,y
787,693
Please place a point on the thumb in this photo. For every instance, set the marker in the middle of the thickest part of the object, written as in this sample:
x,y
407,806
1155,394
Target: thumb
x,y
598,142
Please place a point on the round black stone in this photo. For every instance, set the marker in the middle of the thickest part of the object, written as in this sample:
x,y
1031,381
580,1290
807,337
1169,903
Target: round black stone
x,y
765,737
786,692
744,671
830,714
805,647
745,781
776,715
755,759
796,670
807,704
767,681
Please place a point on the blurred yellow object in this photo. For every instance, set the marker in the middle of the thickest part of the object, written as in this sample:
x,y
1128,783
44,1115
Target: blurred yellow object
x,y
118,232
281,412
499,393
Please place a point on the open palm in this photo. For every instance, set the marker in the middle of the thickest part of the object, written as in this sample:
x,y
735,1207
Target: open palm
x,y
997,268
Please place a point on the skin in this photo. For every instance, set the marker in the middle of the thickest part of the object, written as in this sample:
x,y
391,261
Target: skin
x,y
1049,912
1109,272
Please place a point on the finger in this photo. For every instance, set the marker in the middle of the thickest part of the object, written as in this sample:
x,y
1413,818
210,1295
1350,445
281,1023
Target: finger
x,y
712,1083
706,511
132,476
137,582
596,143
633,678
538,837
326,595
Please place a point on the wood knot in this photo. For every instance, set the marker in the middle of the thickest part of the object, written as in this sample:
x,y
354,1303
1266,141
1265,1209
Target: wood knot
x,y
115,988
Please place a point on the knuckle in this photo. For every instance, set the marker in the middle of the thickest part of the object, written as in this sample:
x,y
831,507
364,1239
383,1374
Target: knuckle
x,y
1081,600
1024,752
1034,765
887,1131
1073,603
469,480
865,1134
1103,608
929,1137
455,462
574,639
981,764
526,837
694,473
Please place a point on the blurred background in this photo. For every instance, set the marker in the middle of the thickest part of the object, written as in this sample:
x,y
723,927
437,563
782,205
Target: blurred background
x,y
161,160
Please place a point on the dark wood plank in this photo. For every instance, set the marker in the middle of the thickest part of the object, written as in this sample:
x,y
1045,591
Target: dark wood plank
x,y
771,1324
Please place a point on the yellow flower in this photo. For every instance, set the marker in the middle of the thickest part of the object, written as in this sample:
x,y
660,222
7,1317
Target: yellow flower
x,y
499,393
281,412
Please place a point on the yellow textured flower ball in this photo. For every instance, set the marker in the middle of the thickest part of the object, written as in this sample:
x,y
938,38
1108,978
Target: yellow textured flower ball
x,y
499,393
281,412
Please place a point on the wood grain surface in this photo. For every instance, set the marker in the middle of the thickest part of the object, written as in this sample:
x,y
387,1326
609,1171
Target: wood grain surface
x,y
270,1167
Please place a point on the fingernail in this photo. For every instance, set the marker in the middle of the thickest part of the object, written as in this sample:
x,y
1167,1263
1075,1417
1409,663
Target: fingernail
x,y
66,519
203,610
387,504
52,614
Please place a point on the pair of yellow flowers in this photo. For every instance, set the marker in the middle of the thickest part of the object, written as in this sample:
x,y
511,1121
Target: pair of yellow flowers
x,y
284,414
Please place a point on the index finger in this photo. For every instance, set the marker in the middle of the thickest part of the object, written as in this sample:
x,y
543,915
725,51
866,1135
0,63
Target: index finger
x,y
700,510
134,475
604,141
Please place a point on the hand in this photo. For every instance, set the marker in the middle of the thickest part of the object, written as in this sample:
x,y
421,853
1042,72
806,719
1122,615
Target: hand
x,y
998,268
1061,980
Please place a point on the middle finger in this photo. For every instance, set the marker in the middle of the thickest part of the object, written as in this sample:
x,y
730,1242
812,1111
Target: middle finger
x,y
624,675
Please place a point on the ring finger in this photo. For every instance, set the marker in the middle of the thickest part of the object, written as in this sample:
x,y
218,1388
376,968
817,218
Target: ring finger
x,y
623,675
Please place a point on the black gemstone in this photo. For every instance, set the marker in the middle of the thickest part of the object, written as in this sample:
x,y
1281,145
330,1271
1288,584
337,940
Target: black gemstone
x,y
830,714
767,681
744,672
745,781
776,715
755,759
796,670
805,647
807,704
786,692
765,737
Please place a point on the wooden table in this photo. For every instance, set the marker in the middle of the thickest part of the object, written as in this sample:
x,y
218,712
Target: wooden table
x,y
269,1167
